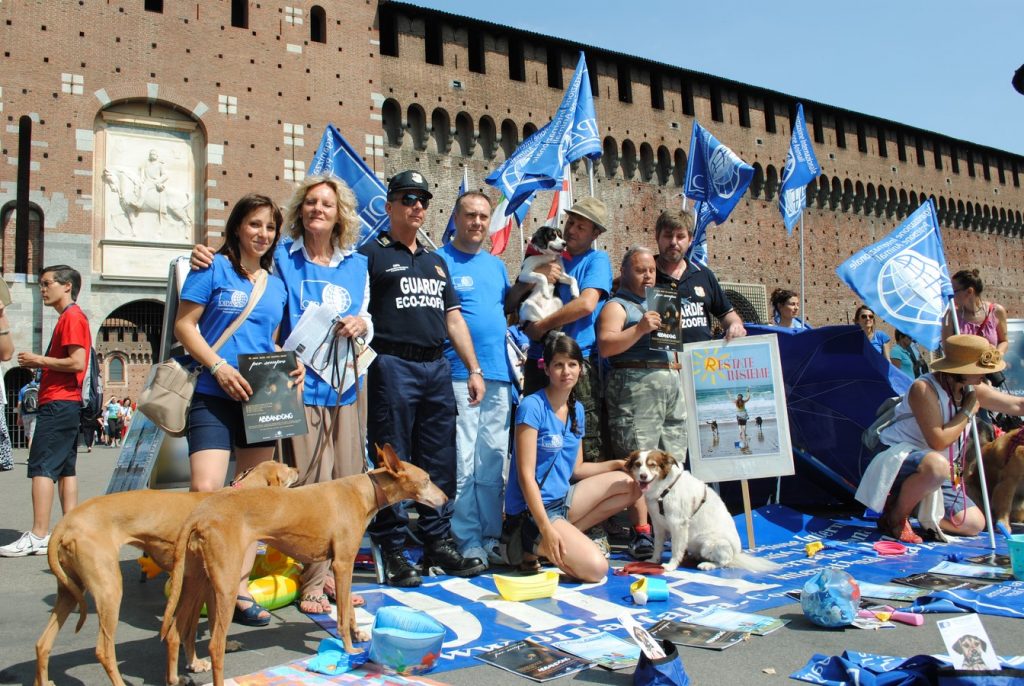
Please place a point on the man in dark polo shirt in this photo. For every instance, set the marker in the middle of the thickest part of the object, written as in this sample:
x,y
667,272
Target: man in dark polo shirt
x,y
409,386
699,292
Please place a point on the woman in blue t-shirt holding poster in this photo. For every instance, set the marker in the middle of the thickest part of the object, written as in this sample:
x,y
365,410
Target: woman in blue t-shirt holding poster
x,y
211,299
562,495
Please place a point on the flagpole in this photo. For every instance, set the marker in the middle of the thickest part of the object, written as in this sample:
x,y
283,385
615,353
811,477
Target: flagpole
x,y
977,452
803,287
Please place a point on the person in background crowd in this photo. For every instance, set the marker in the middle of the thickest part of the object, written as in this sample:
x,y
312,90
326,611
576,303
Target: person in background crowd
x,y
52,459
415,308
28,408
976,316
211,300
866,320
933,420
560,493
320,267
113,412
481,430
786,307
905,358
127,410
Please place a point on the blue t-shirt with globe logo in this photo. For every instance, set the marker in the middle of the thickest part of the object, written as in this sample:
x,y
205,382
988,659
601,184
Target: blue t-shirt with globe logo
x,y
224,294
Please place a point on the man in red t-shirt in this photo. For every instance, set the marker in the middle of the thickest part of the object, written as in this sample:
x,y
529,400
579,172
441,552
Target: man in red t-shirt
x,y
53,453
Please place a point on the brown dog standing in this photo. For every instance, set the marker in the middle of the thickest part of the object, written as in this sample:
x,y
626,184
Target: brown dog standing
x,y
84,555
1004,473
310,523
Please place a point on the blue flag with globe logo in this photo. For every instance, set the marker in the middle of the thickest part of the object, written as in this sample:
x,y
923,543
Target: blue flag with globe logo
x,y
801,168
904,277
716,179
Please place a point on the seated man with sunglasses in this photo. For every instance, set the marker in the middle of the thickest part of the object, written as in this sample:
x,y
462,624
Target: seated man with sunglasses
x,y
411,403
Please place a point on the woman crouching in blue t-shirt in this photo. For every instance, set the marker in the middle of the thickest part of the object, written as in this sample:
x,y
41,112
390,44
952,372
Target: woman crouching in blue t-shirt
x,y
211,300
564,495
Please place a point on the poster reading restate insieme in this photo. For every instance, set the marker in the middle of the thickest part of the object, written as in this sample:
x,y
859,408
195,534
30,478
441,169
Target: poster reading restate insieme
x,y
736,409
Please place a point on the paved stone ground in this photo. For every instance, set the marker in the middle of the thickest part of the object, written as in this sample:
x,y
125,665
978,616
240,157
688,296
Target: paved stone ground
x,y
27,591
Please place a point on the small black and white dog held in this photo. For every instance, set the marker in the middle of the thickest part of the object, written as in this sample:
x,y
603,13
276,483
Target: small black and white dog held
x,y
546,245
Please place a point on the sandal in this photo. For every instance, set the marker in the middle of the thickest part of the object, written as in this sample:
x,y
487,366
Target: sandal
x,y
901,532
253,614
357,600
315,604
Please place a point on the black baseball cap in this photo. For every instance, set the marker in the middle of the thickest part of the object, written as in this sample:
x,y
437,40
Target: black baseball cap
x,y
409,181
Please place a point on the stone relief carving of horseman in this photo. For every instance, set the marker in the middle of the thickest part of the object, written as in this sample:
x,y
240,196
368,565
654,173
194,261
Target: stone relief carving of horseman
x,y
148,192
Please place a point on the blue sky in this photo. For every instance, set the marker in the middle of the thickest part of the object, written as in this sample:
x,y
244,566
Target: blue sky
x,y
940,65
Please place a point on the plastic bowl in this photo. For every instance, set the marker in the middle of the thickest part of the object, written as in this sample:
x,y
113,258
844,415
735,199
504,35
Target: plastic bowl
x,y
532,587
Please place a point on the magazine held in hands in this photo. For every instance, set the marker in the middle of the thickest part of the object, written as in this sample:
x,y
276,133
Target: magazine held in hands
x,y
665,301
274,410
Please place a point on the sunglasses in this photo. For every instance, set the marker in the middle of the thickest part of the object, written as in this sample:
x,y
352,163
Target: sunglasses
x,y
867,316
410,200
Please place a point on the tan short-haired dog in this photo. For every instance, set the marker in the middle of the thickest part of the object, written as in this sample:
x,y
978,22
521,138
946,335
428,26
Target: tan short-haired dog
x,y
1004,473
84,555
310,523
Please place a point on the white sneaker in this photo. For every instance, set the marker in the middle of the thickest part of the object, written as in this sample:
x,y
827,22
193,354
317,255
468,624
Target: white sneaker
x,y
27,544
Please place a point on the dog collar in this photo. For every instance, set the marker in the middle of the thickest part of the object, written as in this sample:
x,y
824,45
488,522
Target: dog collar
x,y
660,499
378,491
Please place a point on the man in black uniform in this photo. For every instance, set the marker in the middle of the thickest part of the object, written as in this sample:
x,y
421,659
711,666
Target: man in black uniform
x,y
409,386
699,292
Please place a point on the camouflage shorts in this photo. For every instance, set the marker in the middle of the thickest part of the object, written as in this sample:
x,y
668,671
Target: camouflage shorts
x,y
646,410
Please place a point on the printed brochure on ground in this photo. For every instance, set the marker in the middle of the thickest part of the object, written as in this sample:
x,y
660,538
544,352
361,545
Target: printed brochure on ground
x,y
603,649
695,635
533,660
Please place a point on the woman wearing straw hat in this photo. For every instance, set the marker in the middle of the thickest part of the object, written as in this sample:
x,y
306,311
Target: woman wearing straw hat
x,y
932,422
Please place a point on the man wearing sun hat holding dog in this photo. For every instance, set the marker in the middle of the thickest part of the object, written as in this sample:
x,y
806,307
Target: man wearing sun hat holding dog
x,y
921,466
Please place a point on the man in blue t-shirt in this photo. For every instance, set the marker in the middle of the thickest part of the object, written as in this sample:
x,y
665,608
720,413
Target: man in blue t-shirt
x,y
585,221
481,441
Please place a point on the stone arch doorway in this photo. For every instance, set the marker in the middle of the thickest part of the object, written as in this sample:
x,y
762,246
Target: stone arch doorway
x,y
129,342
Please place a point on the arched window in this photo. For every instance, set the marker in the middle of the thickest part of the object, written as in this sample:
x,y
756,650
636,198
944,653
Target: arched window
x,y
488,137
628,159
646,162
610,157
529,128
28,250
464,134
664,165
679,169
318,24
757,183
417,119
115,369
440,125
771,182
391,120
509,137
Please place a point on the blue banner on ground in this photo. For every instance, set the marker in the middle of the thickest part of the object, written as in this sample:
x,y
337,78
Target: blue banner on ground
x,y
335,157
478,619
904,277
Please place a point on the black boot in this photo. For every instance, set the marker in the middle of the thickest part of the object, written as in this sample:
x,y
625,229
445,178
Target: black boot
x,y
398,571
443,553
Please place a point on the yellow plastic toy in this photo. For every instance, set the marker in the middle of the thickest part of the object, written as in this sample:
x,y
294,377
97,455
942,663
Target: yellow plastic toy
x,y
814,548
273,582
532,587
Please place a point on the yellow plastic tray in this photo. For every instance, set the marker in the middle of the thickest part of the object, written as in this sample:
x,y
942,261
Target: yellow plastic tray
x,y
532,587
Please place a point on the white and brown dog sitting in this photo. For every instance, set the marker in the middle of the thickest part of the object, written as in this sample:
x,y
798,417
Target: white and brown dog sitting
x,y
546,245
683,508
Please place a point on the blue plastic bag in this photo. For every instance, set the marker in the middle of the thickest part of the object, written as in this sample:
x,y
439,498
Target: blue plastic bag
x,y
667,671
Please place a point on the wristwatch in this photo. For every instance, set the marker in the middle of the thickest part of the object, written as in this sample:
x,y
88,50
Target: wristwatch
x,y
476,371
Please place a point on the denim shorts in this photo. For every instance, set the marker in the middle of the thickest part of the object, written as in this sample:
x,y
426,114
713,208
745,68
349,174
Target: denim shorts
x,y
954,501
54,450
556,509
215,423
